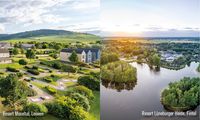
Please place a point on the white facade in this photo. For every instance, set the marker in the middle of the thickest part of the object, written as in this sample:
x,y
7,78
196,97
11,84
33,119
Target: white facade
x,y
4,55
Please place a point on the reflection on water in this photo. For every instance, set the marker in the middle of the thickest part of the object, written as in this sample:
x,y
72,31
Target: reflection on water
x,y
119,86
127,103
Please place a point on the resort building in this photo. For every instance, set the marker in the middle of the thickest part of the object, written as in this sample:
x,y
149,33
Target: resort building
x,y
27,46
86,55
5,45
5,56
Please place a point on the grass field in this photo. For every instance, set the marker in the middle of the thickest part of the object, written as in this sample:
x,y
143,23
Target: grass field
x,y
61,39
95,106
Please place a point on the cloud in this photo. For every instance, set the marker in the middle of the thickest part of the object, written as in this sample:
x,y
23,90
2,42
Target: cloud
x,y
2,28
82,27
85,4
30,12
171,33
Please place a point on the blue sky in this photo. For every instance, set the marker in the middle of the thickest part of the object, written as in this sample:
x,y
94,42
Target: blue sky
x,y
150,18
24,15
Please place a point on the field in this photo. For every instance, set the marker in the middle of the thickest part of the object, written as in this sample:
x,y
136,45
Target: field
x,y
59,38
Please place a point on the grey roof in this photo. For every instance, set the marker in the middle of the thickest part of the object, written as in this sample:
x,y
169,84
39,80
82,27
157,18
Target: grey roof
x,y
3,44
4,51
27,45
80,50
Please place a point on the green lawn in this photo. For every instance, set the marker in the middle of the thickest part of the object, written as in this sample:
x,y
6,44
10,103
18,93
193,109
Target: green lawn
x,y
14,65
95,106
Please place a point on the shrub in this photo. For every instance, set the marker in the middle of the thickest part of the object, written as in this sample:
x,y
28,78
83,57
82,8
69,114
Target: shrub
x,y
33,71
11,69
28,67
82,64
68,68
23,62
57,65
19,74
90,82
31,92
78,113
67,108
51,90
35,67
48,79
35,107
84,91
82,100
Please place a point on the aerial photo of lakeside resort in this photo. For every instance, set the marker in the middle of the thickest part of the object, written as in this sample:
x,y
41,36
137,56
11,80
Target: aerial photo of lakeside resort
x,y
150,61
49,60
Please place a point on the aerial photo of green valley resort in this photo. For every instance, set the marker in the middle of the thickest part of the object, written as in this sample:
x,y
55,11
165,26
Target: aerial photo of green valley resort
x,y
150,66
49,64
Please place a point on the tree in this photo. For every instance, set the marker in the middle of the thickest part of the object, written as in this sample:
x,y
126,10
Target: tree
x,y
84,91
73,57
13,90
156,60
30,54
90,82
15,51
82,100
35,107
67,108
68,68
23,62
182,95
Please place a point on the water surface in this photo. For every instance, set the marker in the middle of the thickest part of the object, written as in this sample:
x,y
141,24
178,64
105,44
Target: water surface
x,y
145,96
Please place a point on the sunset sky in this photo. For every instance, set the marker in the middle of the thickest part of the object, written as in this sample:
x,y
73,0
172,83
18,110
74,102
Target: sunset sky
x,y
73,15
150,18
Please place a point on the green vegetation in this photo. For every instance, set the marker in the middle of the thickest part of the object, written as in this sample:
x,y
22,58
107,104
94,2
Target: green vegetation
x,y
198,69
82,100
11,69
33,71
118,72
90,82
107,57
84,91
35,107
30,54
15,92
23,62
66,108
95,105
51,90
73,57
74,101
182,95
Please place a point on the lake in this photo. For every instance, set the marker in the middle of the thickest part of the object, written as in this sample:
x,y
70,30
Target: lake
x,y
145,95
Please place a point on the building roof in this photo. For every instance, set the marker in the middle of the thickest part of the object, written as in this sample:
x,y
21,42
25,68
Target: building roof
x,y
27,45
80,50
4,44
4,51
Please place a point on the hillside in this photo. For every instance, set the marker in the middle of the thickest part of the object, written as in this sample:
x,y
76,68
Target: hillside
x,y
47,35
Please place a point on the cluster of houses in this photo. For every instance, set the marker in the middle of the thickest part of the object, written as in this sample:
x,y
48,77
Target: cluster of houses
x,y
86,55
4,52
169,56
